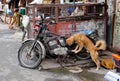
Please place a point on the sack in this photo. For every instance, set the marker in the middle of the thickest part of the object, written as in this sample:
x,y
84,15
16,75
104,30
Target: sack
x,y
25,21
7,1
36,2
107,63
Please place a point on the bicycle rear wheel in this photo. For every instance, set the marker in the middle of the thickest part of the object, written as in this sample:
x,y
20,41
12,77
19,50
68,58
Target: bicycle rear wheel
x,y
83,55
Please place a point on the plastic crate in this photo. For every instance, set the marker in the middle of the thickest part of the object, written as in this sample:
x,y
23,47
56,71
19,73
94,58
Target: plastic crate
x,y
117,62
116,59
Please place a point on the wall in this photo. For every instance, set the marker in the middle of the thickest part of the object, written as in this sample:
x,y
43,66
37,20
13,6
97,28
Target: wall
x,y
92,25
64,28
113,24
116,34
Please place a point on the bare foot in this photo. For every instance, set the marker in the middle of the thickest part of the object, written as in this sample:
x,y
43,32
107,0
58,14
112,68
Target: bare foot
x,y
4,22
97,68
10,27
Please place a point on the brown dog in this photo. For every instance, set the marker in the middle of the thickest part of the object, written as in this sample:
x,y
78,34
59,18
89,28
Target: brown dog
x,y
83,41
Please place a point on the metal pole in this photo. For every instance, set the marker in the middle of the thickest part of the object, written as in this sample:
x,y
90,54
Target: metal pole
x,y
74,23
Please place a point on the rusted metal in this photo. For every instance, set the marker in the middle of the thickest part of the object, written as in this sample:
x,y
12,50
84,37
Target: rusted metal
x,y
113,23
56,14
59,12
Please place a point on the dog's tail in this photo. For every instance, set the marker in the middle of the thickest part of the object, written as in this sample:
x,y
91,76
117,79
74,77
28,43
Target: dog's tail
x,y
101,45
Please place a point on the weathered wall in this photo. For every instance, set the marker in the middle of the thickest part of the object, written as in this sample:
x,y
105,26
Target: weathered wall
x,y
116,34
109,27
92,25
68,27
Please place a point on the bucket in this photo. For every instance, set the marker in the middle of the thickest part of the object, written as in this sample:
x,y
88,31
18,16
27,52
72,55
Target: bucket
x,y
22,11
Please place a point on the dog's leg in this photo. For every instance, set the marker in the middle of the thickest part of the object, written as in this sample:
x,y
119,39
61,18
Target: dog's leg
x,y
80,47
94,56
75,48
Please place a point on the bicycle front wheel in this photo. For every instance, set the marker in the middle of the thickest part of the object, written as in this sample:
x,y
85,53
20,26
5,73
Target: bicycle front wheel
x,y
31,60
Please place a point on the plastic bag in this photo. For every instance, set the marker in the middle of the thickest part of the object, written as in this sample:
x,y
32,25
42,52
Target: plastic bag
x,y
25,21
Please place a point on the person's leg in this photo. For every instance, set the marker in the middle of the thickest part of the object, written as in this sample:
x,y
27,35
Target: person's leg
x,y
24,34
16,3
5,15
12,21
17,20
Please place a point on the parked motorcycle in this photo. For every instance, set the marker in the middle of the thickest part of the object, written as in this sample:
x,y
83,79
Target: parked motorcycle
x,y
33,51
